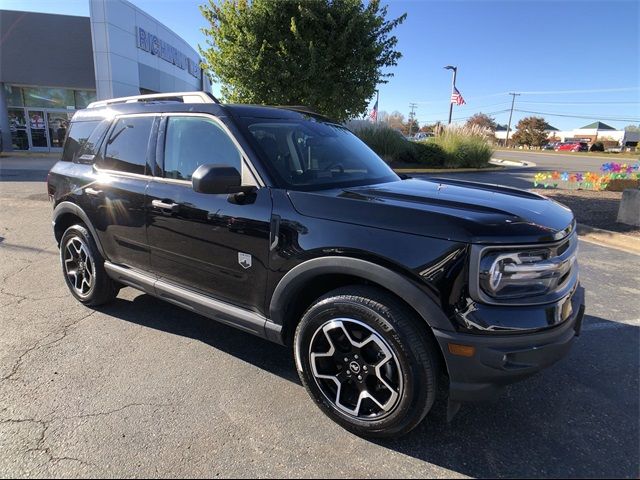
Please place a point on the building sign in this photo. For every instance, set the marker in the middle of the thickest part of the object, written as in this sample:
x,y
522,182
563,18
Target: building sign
x,y
151,43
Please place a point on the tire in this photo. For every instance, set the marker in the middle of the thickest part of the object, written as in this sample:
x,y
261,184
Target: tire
x,y
359,342
83,268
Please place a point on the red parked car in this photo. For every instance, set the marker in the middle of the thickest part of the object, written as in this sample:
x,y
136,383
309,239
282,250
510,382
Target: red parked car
x,y
572,147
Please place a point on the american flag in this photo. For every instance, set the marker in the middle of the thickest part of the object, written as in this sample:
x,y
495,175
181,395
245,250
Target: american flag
x,y
374,113
456,97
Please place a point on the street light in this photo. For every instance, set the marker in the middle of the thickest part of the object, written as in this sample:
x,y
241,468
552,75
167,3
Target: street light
x,y
453,86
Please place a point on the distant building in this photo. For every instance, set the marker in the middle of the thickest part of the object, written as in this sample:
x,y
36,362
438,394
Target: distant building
x,y
51,65
596,131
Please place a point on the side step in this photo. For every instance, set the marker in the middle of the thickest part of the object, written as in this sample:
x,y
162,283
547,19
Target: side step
x,y
196,302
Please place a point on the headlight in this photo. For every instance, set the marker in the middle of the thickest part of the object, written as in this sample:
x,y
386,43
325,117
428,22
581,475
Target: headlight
x,y
534,273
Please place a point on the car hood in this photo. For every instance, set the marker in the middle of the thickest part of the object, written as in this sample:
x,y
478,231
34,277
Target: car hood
x,y
443,208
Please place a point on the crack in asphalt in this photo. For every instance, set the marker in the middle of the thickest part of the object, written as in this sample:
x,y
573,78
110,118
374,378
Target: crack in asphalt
x,y
45,424
63,332
17,272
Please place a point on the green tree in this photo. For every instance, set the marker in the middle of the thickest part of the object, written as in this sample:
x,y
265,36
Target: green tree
x,y
632,128
327,54
531,131
482,120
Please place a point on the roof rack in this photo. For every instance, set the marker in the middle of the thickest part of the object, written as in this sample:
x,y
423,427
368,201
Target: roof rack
x,y
184,97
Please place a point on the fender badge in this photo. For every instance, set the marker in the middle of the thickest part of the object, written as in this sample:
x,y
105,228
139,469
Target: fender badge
x,y
244,259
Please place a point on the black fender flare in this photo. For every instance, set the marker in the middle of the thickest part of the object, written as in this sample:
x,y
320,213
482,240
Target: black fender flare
x,y
297,277
68,207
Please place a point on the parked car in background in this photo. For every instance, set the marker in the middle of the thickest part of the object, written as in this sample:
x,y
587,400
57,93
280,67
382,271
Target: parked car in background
x,y
573,147
422,135
550,146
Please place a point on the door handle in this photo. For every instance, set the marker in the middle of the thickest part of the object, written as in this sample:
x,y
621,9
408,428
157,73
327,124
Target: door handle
x,y
92,191
166,206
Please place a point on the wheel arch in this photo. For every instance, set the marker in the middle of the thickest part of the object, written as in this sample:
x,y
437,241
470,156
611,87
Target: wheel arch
x,y
66,214
327,273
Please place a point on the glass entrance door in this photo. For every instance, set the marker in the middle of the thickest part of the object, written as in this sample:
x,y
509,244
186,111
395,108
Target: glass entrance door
x,y
57,124
18,128
38,135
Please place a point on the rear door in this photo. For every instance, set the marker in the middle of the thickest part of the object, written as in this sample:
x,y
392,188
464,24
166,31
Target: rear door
x,y
118,195
211,243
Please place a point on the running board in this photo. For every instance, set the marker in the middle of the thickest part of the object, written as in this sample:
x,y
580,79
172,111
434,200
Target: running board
x,y
202,304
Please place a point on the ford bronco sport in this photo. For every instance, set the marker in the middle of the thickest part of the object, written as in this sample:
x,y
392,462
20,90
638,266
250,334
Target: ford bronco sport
x,y
282,223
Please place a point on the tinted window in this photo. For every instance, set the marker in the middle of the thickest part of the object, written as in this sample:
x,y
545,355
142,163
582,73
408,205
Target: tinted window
x,y
194,141
126,148
78,140
311,154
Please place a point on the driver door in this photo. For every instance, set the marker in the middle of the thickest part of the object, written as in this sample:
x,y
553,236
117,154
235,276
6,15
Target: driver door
x,y
209,243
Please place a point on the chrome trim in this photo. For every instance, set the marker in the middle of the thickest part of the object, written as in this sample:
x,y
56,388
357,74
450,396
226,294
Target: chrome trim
x,y
210,307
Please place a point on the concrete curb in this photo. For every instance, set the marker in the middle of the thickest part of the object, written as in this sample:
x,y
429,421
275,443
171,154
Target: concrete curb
x,y
30,154
447,170
608,156
500,165
607,238
511,163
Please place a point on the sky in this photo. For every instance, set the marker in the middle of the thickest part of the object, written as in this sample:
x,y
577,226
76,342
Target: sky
x,y
573,61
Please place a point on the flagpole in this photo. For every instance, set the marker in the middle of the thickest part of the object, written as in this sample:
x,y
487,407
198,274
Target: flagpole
x,y
453,87
377,104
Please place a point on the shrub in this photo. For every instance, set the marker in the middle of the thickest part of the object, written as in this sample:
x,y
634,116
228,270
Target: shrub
x,y
597,147
464,147
429,153
456,147
385,141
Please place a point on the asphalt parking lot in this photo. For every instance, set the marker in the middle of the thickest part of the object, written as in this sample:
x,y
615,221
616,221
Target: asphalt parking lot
x,y
141,388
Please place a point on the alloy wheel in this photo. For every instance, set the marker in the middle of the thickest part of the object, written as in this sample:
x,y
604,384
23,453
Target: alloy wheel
x,y
79,266
355,369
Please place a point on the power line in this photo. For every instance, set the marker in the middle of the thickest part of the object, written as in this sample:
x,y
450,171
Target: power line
x,y
461,118
543,92
610,118
584,103
594,90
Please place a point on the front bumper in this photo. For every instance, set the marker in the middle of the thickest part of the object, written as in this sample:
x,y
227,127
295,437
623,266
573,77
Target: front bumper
x,y
503,359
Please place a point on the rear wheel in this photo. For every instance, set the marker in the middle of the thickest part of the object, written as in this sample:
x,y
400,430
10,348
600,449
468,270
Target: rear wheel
x,y
366,361
83,268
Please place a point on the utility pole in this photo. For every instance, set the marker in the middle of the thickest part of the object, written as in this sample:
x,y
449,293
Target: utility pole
x,y
411,116
513,101
453,87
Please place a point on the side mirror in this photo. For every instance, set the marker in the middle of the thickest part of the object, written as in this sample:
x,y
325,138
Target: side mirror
x,y
213,178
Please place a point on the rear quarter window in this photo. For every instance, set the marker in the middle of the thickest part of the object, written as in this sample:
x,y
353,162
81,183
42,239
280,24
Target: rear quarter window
x,y
127,148
83,139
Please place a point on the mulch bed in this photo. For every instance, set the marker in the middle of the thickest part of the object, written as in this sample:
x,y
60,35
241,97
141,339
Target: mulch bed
x,y
596,209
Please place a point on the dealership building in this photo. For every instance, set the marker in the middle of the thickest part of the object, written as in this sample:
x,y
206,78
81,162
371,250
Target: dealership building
x,y
52,65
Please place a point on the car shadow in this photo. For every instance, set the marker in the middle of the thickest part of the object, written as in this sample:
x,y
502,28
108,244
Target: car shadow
x,y
150,312
578,418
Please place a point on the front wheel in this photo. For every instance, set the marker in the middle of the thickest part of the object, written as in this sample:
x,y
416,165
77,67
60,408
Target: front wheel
x,y
366,361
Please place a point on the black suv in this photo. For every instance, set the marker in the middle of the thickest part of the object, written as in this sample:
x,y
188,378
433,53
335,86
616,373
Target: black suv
x,y
284,224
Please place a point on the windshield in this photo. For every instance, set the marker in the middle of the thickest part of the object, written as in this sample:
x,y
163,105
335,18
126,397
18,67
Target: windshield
x,y
308,154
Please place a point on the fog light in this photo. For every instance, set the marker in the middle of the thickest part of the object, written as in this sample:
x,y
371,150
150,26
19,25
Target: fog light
x,y
462,350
